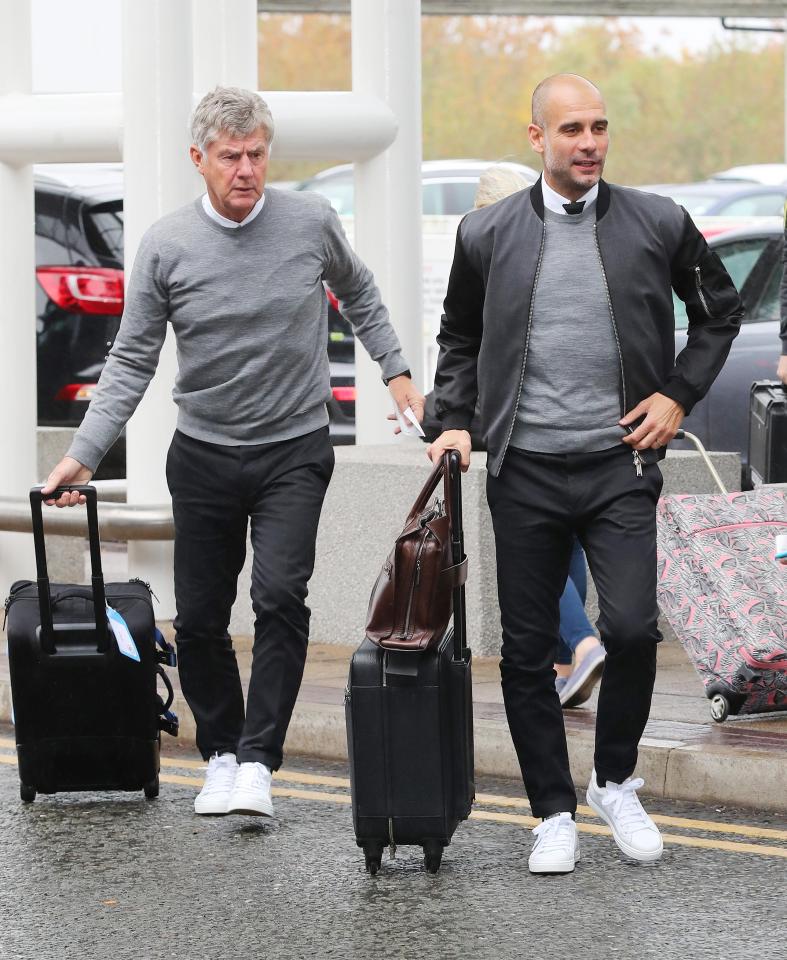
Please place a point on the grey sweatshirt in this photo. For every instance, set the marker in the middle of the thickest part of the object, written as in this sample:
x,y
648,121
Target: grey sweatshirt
x,y
570,393
250,318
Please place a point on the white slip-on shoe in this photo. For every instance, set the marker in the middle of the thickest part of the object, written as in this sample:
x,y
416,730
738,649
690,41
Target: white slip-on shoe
x,y
632,829
213,798
252,791
556,848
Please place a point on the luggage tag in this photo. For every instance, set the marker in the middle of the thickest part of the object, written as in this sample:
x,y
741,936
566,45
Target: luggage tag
x,y
781,548
122,634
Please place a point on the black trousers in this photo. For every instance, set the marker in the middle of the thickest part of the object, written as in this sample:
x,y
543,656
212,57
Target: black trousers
x,y
215,490
538,502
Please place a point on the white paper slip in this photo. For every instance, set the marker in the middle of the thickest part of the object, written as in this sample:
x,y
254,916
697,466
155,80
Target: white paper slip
x,y
408,422
122,634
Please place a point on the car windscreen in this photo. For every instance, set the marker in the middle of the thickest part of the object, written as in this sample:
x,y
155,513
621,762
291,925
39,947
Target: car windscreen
x,y
104,230
338,190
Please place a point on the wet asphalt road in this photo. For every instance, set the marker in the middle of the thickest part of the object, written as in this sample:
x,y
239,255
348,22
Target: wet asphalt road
x,y
114,876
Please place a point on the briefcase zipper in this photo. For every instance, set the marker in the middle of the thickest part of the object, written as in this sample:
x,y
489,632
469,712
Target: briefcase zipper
x,y
404,635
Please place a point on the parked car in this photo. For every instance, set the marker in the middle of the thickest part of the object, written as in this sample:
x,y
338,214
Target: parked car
x,y
449,186
721,198
767,173
80,294
753,258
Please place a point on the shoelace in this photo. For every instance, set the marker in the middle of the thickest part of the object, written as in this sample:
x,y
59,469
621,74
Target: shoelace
x,y
624,805
555,833
220,776
251,776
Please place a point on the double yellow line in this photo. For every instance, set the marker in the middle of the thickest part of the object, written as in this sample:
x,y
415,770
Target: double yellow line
x,y
499,804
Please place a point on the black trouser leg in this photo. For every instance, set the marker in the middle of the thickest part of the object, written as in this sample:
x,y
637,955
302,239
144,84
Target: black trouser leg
x,y
619,538
210,547
537,503
285,504
533,541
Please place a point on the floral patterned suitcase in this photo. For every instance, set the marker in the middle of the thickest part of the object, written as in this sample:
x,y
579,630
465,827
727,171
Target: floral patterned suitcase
x,y
725,594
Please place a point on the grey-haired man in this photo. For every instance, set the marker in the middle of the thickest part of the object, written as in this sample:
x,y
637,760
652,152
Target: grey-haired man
x,y
239,274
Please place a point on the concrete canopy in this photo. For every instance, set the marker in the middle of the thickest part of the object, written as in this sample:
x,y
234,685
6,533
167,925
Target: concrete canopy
x,y
553,8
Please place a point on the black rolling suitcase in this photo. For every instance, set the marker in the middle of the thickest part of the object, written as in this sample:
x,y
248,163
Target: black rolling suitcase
x,y
87,715
410,735
768,432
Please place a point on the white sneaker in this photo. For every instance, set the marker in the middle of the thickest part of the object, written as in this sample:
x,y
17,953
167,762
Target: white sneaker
x,y
252,791
213,798
556,849
632,829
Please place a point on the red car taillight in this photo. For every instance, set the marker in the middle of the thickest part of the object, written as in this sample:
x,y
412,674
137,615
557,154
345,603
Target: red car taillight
x,y
76,391
332,299
343,394
93,290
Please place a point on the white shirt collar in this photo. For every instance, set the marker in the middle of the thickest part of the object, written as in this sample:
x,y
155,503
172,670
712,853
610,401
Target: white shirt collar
x,y
554,202
207,206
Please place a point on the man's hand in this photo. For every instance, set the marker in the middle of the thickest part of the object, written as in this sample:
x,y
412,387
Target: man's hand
x,y
451,440
781,370
68,471
663,418
405,395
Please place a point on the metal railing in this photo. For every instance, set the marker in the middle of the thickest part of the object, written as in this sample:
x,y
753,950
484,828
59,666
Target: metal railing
x,y
117,520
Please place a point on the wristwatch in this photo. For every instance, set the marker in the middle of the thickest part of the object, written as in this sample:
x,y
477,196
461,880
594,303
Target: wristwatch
x,y
404,373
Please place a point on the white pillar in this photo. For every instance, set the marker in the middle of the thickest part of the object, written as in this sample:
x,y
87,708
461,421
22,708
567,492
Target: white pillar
x,y
386,62
225,44
158,177
17,302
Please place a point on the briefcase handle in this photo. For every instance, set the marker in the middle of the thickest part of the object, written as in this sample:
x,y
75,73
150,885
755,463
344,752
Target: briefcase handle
x,y
96,573
448,470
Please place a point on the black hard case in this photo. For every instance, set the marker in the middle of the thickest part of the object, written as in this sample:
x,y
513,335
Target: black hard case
x,y
410,736
86,716
768,432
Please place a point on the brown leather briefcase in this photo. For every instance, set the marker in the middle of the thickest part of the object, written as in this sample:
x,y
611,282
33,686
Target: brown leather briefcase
x,y
412,600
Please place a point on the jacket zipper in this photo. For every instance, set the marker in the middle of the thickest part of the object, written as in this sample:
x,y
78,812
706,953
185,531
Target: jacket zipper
x,y
700,294
635,453
527,343
416,580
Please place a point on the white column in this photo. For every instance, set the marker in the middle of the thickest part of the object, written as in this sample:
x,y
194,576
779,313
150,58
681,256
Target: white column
x,y
158,177
18,416
386,62
225,44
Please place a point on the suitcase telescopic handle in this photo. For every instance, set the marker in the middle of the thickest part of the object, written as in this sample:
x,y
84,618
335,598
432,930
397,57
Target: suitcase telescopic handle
x,y
453,472
96,573
692,438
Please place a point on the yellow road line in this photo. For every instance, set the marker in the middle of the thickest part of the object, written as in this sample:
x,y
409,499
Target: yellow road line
x,y
593,829
488,799
596,830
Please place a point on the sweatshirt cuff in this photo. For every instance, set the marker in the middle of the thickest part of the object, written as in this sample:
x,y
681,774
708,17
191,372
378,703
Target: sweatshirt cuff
x,y
85,452
393,365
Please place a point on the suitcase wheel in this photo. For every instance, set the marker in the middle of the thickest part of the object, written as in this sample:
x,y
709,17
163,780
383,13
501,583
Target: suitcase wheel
x,y
433,855
373,854
28,794
151,789
719,708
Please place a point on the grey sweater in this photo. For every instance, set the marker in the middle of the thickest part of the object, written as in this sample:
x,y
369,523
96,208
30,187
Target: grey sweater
x,y
570,393
250,318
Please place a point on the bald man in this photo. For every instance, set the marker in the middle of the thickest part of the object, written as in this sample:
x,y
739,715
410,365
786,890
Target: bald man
x,y
559,319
